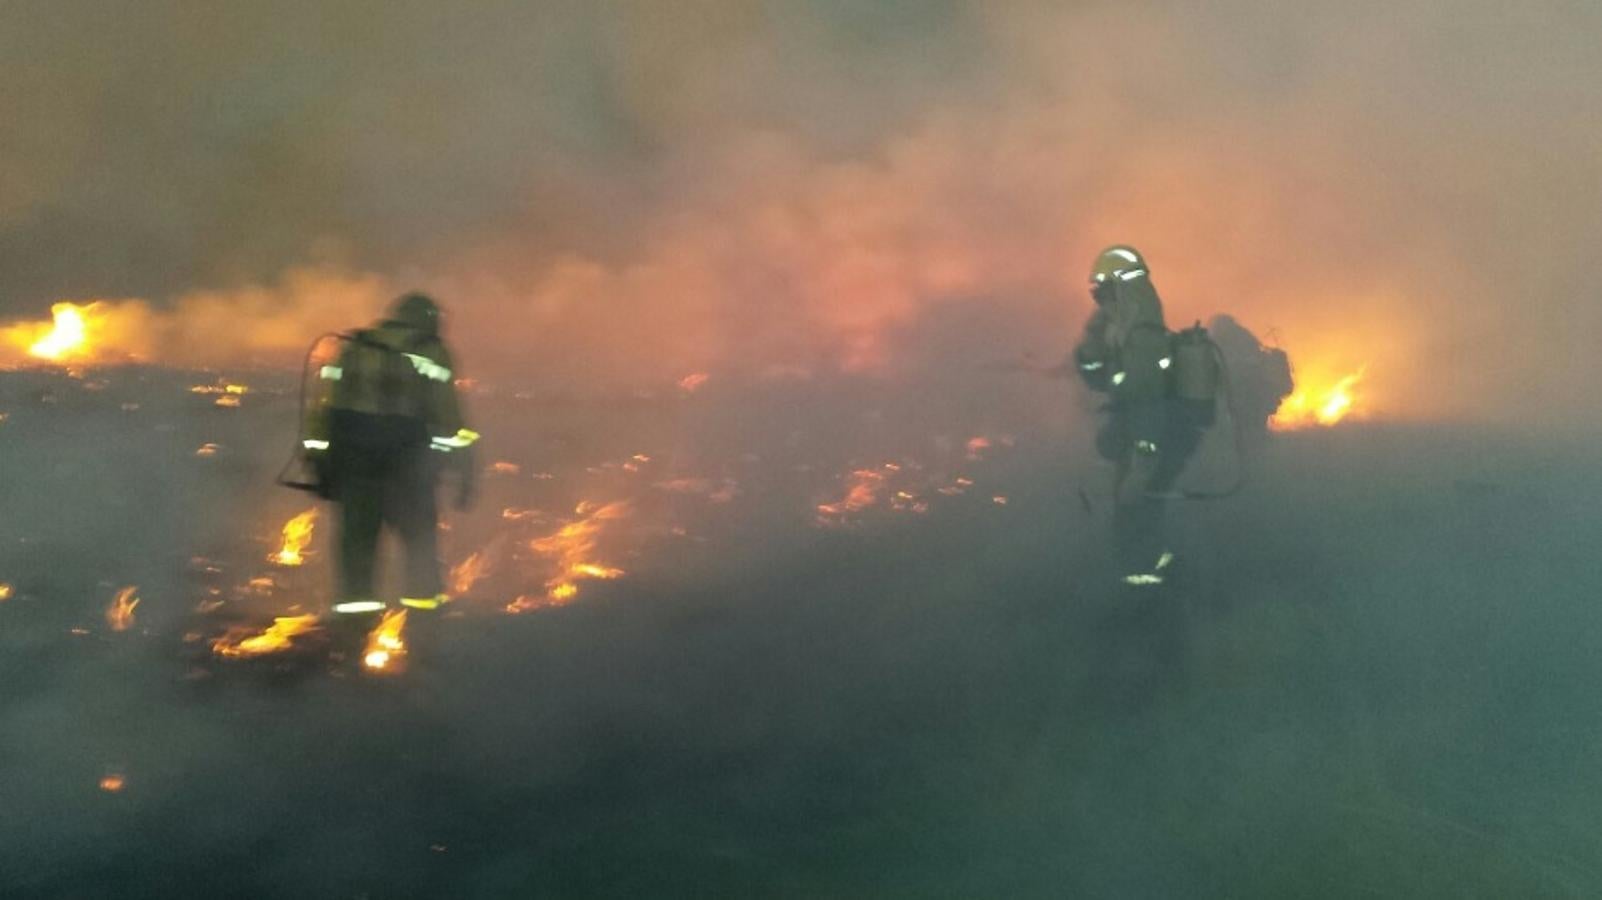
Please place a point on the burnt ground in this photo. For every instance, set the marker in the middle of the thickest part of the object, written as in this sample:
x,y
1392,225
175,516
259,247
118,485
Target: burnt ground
x,y
1377,676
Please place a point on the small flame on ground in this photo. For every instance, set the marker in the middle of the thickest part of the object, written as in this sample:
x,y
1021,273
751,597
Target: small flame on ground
x,y
864,487
693,382
113,782
120,614
280,636
5,591
386,644
1312,406
501,467
474,568
221,387
573,547
297,534
207,450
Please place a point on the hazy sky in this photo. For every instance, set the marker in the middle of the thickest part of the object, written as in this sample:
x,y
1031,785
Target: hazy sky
x,y
633,190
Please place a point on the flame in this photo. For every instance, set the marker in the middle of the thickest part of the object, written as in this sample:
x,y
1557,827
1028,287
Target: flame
x,y
864,489
1317,404
469,571
79,333
5,591
241,642
691,383
120,614
297,534
573,547
386,645
112,782
68,336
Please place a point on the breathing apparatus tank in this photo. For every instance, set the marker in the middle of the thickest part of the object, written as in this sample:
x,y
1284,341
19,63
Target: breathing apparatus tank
x,y
1197,373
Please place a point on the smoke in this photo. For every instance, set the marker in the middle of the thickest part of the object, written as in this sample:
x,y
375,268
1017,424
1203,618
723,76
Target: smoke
x,y
627,194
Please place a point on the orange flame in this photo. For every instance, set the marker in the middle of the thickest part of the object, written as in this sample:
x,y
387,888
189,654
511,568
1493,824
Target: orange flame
x,y
68,335
691,383
297,534
386,644
113,782
5,592
864,489
471,570
1315,405
573,547
120,614
221,387
241,642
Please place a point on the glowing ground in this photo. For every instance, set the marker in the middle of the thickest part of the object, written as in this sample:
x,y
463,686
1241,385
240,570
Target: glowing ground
x,y
1377,676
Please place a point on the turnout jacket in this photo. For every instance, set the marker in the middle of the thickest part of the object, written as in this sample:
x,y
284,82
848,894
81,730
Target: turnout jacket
x,y
392,372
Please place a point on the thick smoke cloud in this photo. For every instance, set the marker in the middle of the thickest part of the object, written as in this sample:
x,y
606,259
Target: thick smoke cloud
x,y
634,192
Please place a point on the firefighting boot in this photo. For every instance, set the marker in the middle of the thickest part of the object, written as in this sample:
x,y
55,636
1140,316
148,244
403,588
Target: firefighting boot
x,y
348,628
423,629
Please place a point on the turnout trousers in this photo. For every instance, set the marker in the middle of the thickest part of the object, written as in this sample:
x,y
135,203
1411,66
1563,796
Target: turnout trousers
x,y
385,475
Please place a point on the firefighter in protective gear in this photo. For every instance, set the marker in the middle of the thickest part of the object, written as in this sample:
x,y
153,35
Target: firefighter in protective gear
x,y
384,423
1149,432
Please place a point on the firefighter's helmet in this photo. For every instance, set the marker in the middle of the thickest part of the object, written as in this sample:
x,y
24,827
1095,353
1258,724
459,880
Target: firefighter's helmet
x,y
1118,262
416,310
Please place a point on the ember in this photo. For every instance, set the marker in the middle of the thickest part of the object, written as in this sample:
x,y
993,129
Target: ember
x,y
112,782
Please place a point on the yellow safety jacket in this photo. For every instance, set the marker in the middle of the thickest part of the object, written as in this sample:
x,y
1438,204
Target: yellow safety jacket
x,y
390,370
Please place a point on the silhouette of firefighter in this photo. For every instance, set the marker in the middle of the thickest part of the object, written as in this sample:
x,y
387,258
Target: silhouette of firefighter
x,y
384,423
1161,389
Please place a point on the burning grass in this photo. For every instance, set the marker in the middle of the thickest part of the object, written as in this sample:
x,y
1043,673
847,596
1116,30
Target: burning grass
x,y
239,643
120,614
1319,402
297,534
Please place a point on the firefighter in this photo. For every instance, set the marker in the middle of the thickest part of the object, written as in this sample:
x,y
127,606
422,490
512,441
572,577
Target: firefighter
x,y
1151,426
384,424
